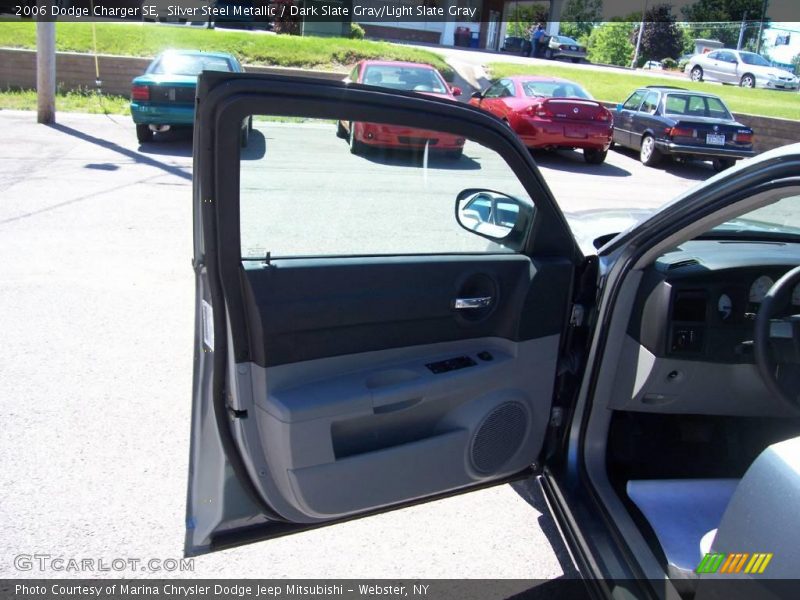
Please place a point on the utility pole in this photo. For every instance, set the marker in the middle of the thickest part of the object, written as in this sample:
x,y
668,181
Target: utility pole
x,y
741,32
761,26
639,37
45,68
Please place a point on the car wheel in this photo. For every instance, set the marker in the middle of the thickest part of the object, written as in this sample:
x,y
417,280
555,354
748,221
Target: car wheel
x,y
697,74
649,154
341,132
576,60
144,134
594,156
356,147
748,81
720,164
548,54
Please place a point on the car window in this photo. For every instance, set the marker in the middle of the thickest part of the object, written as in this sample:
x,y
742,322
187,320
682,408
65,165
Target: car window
x,y
728,57
189,64
502,89
388,190
554,89
696,105
650,102
354,74
751,58
634,101
713,55
414,79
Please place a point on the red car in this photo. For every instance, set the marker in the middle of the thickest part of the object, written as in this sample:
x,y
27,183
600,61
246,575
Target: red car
x,y
407,76
548,113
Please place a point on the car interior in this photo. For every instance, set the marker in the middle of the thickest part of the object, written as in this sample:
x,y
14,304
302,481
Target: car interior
x,y
700,453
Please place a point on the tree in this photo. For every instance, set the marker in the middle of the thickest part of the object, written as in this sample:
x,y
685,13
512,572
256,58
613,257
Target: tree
x,y
726,16
610,43
796,64
661,38
579,17
523,18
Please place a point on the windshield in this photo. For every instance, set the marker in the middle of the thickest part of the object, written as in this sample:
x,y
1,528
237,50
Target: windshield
x,y
554,89
750,58
189,64
414,79
565,40
781,217
695,105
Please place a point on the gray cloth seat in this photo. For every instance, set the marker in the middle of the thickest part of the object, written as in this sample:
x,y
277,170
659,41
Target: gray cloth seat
x,y
681,512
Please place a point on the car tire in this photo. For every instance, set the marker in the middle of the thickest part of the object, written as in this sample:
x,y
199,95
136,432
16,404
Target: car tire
x,y
649,154
748,81
341,132
356,147
594,156
548,54
721,164
576,60
697,73
144,134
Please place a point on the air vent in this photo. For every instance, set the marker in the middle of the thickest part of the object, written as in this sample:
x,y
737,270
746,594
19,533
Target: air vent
x,y
687,262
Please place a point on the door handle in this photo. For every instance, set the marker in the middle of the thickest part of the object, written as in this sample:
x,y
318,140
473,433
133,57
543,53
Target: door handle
x,y
472,303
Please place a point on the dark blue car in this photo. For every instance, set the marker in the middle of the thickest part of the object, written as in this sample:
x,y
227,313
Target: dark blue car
x,y
661,121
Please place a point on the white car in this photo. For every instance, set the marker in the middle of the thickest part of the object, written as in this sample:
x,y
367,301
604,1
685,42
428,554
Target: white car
x,y
746,69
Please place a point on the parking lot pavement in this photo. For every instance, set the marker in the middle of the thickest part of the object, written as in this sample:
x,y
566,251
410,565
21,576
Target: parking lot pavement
x,y
96,309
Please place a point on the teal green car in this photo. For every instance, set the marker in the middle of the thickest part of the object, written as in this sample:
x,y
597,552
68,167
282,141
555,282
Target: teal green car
x,y
163,98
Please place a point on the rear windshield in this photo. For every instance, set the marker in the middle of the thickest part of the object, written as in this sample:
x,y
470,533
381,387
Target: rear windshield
x,y
189,64
691,105
414,79
554,89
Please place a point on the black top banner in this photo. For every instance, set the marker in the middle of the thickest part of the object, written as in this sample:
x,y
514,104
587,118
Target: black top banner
x,y
388,12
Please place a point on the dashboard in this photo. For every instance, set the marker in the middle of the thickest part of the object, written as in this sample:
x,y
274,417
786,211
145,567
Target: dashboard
x,y
699,302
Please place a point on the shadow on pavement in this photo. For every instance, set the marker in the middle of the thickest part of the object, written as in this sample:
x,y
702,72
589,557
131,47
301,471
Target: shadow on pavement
x,y
412,158
572,162
132,154
530,491
695,170
178,142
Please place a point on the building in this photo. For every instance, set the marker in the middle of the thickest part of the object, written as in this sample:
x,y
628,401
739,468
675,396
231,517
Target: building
x,y
781,44
487,29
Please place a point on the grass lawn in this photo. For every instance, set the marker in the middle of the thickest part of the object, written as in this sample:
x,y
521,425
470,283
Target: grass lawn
x,y
85,102
145,39
616,87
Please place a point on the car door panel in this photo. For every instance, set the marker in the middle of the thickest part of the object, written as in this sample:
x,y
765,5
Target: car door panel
x,y
343,385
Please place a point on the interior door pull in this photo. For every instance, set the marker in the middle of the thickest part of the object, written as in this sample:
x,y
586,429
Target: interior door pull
x,y
472,303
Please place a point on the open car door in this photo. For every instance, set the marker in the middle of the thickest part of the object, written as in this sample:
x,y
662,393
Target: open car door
x,y
376,325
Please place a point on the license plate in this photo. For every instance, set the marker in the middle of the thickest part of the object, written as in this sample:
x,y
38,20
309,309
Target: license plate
x,y
574,132
715,139
572,48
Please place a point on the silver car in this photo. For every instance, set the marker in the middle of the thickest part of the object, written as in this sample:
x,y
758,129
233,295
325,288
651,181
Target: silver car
x,y
746,69
561,46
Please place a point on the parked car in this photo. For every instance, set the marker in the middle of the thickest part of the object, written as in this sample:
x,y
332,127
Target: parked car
x,y
653,64
516,45
737,67
643,387
163,98
561,46
407,76
551,113
661,121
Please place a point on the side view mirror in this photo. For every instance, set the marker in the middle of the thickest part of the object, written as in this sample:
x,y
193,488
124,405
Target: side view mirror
x,y
495,216
476,95
619,107
456,90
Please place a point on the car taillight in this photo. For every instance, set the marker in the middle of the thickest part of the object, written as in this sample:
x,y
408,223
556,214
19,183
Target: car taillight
x,y
603,116
140,92
744,138
540,111
680,132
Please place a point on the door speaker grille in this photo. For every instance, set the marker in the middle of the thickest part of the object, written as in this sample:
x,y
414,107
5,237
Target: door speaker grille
x,y
499,437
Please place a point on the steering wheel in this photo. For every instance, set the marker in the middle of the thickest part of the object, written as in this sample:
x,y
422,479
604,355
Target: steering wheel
x,y
776,343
